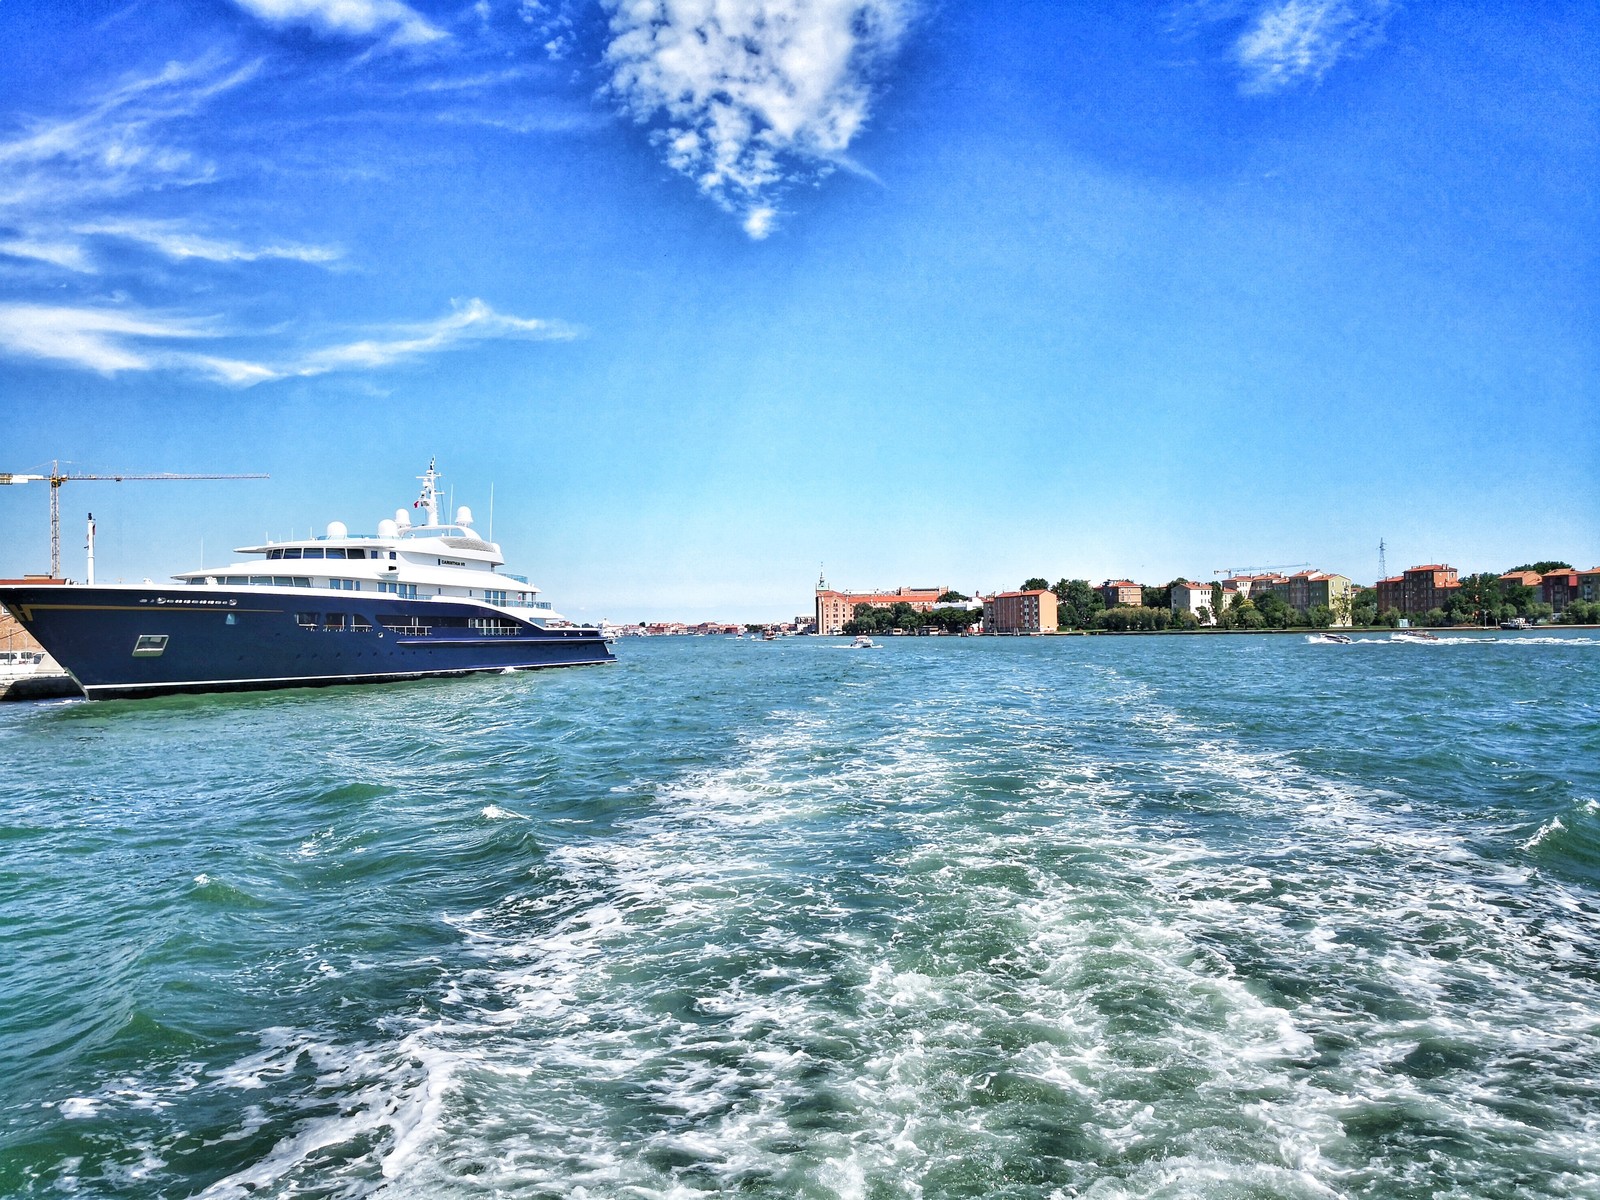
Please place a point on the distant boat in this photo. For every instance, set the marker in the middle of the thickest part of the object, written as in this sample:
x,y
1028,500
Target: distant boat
x,y
863,642
770,635
1415,635
1516,623
1335,639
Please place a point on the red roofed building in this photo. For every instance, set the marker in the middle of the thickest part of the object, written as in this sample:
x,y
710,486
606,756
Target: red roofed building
x,y
1020,612
1418,589
1530,579
1559,589
835,608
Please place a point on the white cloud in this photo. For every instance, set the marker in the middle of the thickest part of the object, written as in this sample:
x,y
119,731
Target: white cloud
x,y
55,251
177,241
112,340
472,321
100,339
112,148
1298,41
401,24
748,95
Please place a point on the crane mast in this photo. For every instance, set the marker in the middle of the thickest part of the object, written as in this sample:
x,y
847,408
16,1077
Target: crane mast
x,y
56,478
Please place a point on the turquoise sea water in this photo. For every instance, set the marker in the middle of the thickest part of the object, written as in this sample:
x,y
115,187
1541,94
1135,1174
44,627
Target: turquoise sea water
x,y
1197,917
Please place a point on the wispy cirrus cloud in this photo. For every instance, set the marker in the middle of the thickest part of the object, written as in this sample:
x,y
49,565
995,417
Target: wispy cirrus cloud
x,y
747,96
113,340
399,24
179,241
118,145
1298,41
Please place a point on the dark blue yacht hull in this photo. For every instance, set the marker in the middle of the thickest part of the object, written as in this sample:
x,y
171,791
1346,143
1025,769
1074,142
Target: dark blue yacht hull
x,y
126,642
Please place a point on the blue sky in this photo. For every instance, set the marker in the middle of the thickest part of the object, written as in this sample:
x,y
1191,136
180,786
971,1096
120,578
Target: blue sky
x,y
714,291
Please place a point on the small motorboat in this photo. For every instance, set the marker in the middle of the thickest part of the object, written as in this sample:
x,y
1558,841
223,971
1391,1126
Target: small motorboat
x,y
1333,639
1516,623
770,635
1415,635
863,642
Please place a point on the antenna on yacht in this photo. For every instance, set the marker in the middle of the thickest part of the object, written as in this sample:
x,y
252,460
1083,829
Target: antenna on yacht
x,y
89,546
429,500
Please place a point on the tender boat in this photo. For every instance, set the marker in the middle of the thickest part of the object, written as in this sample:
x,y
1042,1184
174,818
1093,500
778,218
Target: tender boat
x,y
1415,635
1516,623
409,602
1335,639
863,642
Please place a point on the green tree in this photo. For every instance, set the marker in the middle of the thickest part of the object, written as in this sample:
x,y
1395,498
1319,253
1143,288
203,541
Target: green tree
x,y
1319,616
951,597
1582,612
1274,609
1077,603
1036,584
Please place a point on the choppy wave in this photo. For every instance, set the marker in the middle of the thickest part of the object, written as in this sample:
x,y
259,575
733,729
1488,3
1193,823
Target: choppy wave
x,y
1024,920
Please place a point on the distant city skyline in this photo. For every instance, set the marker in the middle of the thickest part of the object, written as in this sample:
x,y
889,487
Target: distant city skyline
x,y
922,293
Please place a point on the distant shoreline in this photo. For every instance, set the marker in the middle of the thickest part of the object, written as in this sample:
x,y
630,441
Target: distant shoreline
x,y
1212,632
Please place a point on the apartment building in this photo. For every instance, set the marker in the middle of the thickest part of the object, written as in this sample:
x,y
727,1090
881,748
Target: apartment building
x,y
1417,589
1020,612
834,608
1117,592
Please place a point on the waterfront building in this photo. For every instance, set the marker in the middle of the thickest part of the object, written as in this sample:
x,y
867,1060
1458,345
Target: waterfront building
x,y
1121,592
1589,584
1020,612
834,608
1191,598
1528,579
1559,589
1306,590
1417,589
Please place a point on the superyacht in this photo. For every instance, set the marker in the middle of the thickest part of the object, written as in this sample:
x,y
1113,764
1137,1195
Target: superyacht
x,y
414,600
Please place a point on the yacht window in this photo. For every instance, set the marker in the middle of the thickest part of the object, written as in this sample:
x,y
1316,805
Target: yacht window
x,y
261,581
150,645
306,620
282,581
355,553
300,581
360,624
233,619
335,552
311,552
333,620
274,553
293,552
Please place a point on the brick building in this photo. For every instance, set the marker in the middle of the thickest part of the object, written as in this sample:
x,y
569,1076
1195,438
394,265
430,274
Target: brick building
x,y
1417,589
834,608
1020,612
1559,589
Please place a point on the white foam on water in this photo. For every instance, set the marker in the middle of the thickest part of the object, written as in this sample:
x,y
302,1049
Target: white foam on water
x,y
849,964
493,812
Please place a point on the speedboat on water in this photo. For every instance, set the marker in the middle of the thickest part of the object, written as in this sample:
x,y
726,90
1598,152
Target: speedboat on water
x,y
408,602
1333,639
863,642
1414,635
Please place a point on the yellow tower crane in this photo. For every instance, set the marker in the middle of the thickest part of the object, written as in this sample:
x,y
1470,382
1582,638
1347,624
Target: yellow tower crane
x,y
56,478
